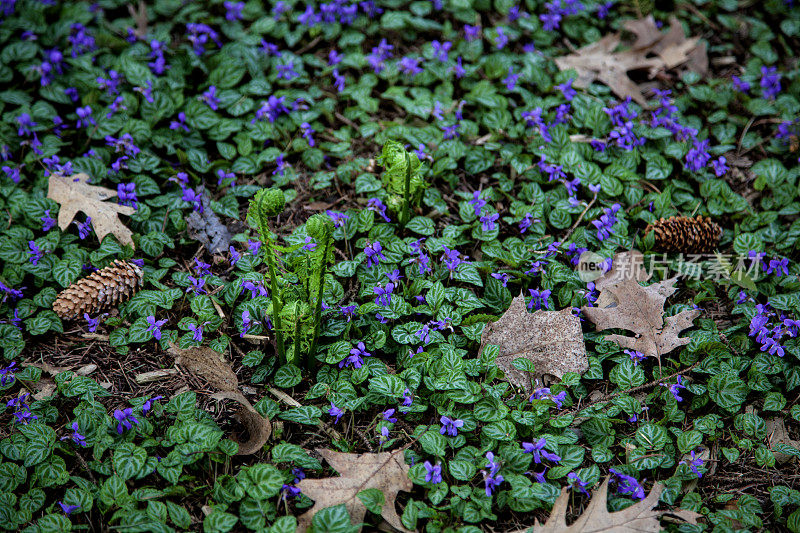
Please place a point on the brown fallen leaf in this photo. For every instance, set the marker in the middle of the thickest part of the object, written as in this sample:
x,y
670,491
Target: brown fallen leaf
x,y
208,365
626,265
73,194
386,471
675,49
551,340
777,434
640,517
258,427
645,30
653,51
598,61
44,388
627,305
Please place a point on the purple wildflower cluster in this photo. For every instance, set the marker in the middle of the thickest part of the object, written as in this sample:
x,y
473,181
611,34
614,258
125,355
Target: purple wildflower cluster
x,y
125,419
199,35
291,491
770,82
622,116
376,205
22,411
356,357
7,376
694,462
675,388
378,56
80,40
544,393
538,450
788,130
424,333
539,299
158,65
628,485
605,224
433,473
769,329
450,426
126,194
578,483
491,477
556,11
452,259
125,146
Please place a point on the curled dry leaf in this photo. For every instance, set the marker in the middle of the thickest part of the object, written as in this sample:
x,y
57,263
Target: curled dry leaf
x,y
653,51
387,472
73,193
208,365
258,428
628,305
640,517
551,340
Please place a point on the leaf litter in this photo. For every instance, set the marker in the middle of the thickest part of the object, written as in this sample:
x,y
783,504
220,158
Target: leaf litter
x,y
73,194
385,471
208,365
653,51
551,340
630,306
639,518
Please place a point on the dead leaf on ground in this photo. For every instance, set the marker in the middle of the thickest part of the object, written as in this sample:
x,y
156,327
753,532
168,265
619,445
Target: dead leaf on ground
x,y
208,365
44,388
208,229
258,428
140,17
628,305
626,265
551,340
653,51
387,472
640,517
777,435
73,194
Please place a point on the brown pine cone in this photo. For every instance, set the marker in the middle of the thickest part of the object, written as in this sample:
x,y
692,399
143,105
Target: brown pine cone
x,y
99,291
685,234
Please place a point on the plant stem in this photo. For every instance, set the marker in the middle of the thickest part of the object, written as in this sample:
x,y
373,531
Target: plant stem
x,y
407,191
276,307
323,266
297,320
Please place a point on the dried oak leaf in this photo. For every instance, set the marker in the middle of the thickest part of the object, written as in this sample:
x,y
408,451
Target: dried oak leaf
x,y
208,365
73,193
551,340
626,265
598,61
387,472
673,47
638,518
627,305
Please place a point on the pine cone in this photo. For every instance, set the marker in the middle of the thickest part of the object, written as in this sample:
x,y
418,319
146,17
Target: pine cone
x,y
98,291
685,234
